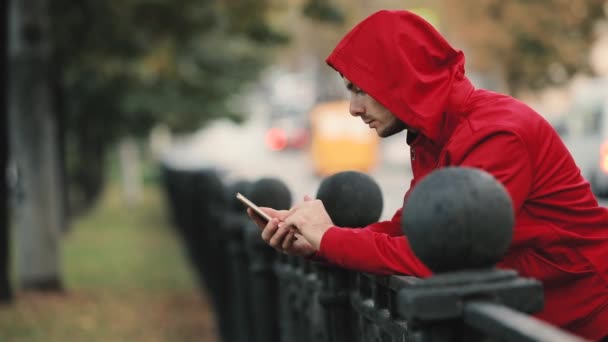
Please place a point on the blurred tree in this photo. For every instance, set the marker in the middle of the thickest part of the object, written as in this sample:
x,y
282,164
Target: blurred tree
x,y
532,44
323,11
122,66
316,26
5,285
37,209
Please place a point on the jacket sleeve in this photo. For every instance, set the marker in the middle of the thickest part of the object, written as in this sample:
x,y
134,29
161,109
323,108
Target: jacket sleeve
x,y
392,227
378,249
366,250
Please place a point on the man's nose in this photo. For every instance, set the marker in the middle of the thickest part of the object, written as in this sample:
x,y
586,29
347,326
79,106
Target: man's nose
x,y
355,108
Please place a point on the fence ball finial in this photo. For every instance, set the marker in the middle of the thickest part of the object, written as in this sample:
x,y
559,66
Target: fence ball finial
x,y
352,199
270,192
458,218
207,189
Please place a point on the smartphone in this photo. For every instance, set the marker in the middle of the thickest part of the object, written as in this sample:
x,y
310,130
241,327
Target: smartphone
x,y
254,207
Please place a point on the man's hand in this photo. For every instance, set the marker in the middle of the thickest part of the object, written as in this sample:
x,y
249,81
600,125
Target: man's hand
x,y
284,239
310,219
260,222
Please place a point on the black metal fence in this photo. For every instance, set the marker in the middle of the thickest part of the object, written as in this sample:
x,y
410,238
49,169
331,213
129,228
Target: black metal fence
x,y
261,295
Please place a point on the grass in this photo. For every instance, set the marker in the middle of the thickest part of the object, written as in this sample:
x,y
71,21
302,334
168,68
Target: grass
x,y
126,279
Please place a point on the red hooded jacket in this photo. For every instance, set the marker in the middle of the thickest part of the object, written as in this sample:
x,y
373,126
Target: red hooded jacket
x,y
561,233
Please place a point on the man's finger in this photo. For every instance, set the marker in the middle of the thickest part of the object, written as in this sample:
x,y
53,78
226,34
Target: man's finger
x,y
270,230
289,240
277,238
280,214
290,221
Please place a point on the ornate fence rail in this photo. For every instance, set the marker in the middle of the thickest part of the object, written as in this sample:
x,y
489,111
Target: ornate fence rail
x,y
264,296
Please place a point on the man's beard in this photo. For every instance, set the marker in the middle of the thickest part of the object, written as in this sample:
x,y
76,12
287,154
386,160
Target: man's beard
x,y
394,127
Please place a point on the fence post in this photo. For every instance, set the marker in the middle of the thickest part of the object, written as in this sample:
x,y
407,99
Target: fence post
x,y
263,281
335,300
198,205
352,199
459,222
287,271
204,236
233,227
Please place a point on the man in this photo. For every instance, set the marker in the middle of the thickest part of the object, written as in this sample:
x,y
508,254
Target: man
x,y
402,74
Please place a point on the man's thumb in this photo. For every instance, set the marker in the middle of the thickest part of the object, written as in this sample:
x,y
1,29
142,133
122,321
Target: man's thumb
x,y
307,198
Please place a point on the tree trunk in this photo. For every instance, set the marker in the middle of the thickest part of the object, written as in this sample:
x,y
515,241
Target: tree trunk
x,y
59,108
88,176
130,171
38,211
5,285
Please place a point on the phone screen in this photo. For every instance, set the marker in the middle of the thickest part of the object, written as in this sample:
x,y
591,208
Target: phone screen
x,y
255,208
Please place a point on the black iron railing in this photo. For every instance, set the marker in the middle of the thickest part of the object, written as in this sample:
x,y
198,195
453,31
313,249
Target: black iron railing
x,y
261,295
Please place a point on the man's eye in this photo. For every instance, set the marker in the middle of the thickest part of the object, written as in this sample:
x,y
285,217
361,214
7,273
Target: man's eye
x,y
359,91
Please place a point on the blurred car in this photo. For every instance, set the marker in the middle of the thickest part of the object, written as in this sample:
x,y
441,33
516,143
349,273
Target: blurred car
x,y
288,129
339,141
584,130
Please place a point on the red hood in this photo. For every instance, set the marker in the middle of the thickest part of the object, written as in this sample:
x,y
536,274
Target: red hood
x,y
406,65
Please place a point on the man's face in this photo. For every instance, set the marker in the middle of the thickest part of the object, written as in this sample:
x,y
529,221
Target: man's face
x,y
372,112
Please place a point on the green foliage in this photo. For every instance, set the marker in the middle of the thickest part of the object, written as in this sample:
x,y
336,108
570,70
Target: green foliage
x,y
122,66
247,17
323,11
534,43
133,63
194,87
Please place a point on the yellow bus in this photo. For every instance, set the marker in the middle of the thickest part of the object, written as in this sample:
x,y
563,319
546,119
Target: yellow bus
x,y
339,141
